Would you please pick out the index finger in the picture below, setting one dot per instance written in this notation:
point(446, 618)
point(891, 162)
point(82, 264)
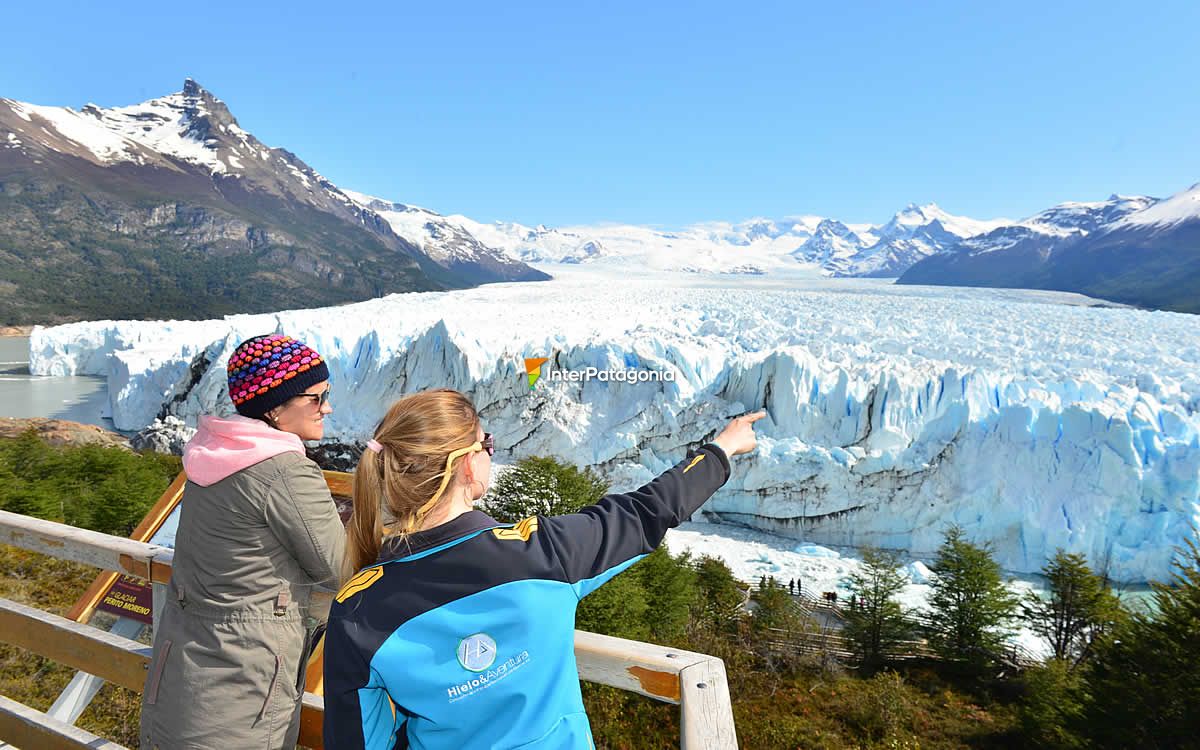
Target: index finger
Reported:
point(753, 417)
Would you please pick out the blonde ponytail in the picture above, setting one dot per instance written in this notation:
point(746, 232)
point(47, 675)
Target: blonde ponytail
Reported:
point(416, 437)
point(364, 531)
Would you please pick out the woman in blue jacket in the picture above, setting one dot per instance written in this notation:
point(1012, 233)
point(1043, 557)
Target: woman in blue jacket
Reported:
point(456, 631)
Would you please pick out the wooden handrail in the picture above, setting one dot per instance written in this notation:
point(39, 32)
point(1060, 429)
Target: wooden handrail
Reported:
point(695, 682)
point(148, 561)
point(29, 728)
point(118, 660)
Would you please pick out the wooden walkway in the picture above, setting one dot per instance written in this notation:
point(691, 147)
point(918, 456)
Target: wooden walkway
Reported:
point(829, 618)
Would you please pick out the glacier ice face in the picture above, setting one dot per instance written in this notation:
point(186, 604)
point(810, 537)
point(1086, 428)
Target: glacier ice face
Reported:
point(1032, 421)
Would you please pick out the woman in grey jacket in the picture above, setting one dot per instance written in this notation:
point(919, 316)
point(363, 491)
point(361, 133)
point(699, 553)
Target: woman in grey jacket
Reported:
point(257, 531)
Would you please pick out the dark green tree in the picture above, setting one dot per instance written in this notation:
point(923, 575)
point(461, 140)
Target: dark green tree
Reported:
point(876, 623)
point(1144, 677)
point(544, 486)
point(774, 611)
point(1077, 608)
point(971, 610)
point(107, 489)
point(670, 585)
point(618, 608)
point(718, 604)
point(776, 625)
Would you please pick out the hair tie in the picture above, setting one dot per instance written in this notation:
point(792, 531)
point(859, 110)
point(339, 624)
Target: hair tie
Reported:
point(374, 445)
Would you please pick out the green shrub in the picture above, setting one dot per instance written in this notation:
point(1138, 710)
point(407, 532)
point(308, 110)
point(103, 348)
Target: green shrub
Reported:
point(94, 487)
point(879, 708)
point(1052, 706)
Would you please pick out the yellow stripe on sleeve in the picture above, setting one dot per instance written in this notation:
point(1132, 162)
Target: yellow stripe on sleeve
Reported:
point(361, 582)
point(695, 461)
point(520, 532)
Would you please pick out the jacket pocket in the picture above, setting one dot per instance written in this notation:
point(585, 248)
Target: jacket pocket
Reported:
point(156, 675)
point(570, 732)
point(271, 688)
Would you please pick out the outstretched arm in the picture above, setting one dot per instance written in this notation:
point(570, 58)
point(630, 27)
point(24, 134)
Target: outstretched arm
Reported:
point(604, 539)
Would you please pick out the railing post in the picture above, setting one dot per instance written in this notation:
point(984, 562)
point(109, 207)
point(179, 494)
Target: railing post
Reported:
point(705, 711)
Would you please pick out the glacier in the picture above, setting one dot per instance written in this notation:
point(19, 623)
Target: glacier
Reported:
point(1035, 420)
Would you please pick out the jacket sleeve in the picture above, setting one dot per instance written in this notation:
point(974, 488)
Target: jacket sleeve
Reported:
point(301, 513)
point(604, 539)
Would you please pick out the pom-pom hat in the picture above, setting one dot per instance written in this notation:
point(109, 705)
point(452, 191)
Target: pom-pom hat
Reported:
point(266, 371)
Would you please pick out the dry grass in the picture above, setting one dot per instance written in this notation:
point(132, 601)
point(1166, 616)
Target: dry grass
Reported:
point(53, 586)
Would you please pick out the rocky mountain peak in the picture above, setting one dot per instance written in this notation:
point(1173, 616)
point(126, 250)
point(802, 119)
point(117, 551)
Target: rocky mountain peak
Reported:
point(204, 112)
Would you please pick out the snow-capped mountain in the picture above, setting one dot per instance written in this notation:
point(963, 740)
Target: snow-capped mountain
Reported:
point(751, 247)
point(1150, 257)
point(189, 132)
point(823, 246)
point(1181, 208)
point(1004, 255)
point(1131, 249)
point(834, 247)
point(169, 208)
point(447, 243)
point(913, 234)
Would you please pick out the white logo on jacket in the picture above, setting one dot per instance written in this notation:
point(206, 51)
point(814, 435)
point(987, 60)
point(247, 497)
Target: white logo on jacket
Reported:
point(477, 652)
point(485, 677)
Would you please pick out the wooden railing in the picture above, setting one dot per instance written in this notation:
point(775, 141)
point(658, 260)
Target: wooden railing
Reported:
point(695, 682)
point(802, 599)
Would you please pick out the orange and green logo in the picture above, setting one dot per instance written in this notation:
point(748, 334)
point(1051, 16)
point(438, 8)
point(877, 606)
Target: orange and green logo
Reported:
point(533, 369)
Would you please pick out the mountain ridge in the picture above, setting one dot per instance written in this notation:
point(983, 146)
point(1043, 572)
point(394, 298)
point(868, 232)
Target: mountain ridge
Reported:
point(168, 208)
point(1134, 250)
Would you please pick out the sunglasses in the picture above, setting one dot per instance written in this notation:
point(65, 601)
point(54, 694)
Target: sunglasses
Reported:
point(320, 399)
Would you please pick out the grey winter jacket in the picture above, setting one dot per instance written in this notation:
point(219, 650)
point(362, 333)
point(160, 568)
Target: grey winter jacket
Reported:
point(230, 649)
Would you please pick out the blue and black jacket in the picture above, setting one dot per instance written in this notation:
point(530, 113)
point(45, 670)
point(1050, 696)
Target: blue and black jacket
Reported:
point(462, 636)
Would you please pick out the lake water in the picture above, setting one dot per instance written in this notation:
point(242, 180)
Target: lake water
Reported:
point(79, 398)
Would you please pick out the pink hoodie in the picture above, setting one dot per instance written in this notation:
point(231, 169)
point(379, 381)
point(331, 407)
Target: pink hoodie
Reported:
point(225, 445)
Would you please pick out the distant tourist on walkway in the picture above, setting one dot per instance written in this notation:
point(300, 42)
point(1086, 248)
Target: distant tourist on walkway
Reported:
point(257, 531)
point(458, 631)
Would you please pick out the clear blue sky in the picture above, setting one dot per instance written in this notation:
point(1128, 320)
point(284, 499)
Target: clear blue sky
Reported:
point(664, 113)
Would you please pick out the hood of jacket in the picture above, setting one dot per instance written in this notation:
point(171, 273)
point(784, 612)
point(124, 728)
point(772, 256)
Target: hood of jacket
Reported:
point(223, 446)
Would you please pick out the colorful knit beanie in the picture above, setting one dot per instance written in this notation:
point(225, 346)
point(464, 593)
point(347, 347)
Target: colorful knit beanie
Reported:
point(266, 371)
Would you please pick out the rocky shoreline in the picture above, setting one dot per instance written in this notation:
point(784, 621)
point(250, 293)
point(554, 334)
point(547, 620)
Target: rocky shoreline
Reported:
point(13, 331)
point(164, 436)
point(59, 432)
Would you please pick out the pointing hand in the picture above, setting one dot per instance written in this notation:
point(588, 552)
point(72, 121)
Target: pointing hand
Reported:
point(738, 435)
